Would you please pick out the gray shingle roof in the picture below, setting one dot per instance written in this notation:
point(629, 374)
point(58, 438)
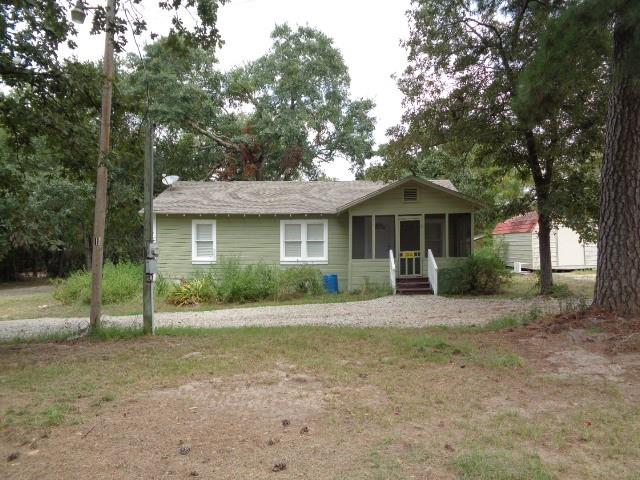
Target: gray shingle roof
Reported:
point(253, 198)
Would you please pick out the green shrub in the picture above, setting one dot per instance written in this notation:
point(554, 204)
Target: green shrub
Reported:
point(120, 283)
point(200, 289)
point(481, 273)
point(162, 286)
point(296, 281)
point(247, 284)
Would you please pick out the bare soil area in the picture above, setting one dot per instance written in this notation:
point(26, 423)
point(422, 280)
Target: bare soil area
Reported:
point(555, 399)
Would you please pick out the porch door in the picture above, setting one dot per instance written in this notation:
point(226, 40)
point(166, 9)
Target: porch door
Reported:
point(410, 253)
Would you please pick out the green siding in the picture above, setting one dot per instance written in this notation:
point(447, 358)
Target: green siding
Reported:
point(430, 200)
point(250, 239)
point(254, 239)
point(371, 271)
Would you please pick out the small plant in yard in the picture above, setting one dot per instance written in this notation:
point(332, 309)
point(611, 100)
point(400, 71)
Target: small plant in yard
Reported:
point(481, 273)
point(192, 292)
point(513, 320)
point(436, 349)
point(120, 282)
point(54, 415)
point(116, 332)
point(501, 465)
point(162, 286)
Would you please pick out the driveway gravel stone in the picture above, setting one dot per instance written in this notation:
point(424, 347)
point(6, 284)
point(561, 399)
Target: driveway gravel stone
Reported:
point(390, 311)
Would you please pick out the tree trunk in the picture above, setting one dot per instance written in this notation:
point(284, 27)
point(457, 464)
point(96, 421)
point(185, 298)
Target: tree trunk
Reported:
point(544, 244)
point(618, 278)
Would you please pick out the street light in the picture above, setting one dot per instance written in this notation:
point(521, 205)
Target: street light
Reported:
point(79, 12)
point(78, 15)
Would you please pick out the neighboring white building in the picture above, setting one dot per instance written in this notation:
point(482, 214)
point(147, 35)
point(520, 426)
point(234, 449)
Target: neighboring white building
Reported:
point(518, 238)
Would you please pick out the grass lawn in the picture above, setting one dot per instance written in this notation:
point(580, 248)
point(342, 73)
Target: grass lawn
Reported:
point(568, 284)
point(35, 300)
point(319, 402)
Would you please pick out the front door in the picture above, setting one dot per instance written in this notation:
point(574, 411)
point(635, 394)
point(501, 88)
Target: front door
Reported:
point(410, 257)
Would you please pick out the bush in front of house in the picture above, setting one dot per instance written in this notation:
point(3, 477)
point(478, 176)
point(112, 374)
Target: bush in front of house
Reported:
point(240, 284)
point(200, 289)
point(120, 283)
point(296, 281)
point(482, 273)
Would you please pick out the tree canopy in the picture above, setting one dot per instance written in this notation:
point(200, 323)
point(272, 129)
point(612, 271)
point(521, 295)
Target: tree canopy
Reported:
point(277, 117)
point(31, 33)
point(471, 88)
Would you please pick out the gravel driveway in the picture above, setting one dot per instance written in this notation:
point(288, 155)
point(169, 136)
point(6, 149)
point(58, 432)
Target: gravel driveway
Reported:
point(390, 311)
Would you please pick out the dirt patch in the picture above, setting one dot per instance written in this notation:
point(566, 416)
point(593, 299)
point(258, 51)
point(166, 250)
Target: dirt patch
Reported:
point(615, 334)
point(324, 405)
point(244, 426)
point(591, 345)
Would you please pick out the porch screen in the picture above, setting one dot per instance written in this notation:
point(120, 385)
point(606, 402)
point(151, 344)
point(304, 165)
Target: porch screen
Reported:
point(361, 237)
point(459, 234)
point(385, 235)
point(435, 227)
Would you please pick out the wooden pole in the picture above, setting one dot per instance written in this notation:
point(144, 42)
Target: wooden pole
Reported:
point(100, 212)
point(149, 244)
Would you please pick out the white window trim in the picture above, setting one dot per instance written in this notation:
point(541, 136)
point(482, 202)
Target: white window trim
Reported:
point(304, 260)
point(195, 260)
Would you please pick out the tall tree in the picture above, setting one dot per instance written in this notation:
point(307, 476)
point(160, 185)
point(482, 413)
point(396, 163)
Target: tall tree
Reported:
point(586, 35)
point(277, 117)
point(618, 283)
point(468, 83)
point(31, 33)
point(48, 153)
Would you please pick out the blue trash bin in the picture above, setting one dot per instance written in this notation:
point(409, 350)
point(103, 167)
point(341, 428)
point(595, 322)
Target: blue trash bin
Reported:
point(331, 283)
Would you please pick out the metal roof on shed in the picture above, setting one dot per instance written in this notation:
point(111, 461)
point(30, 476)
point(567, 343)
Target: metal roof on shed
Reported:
point(520, 224)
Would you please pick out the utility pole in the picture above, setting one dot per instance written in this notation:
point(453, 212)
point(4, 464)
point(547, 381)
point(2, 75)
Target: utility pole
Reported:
point(100, 213)
point(149, 241)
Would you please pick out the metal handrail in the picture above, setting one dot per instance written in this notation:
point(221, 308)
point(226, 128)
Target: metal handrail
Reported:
point(392, 271)
point(432, 270)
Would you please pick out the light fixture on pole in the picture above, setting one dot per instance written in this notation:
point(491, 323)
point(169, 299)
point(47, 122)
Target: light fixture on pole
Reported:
point(78, 15)
point(79, 12)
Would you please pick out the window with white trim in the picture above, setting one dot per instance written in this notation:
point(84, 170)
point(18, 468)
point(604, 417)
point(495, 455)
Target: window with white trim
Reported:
point(304, 241)
point(203, 241)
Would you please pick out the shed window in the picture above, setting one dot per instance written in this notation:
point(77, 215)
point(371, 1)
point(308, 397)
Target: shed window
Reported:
point(203, 241)
point(385, 235)
point(435, 233)
point(459, 234)
point(361, 237)
point(304, 241)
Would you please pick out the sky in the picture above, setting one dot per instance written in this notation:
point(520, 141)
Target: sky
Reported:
point(367, 32)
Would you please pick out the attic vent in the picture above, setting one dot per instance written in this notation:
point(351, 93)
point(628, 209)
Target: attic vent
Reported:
point(410, 194)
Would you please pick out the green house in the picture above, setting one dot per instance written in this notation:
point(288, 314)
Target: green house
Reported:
point(364, 232)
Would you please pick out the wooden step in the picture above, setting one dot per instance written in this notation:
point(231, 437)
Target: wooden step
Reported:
point(414, 291)
point(413, 286)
